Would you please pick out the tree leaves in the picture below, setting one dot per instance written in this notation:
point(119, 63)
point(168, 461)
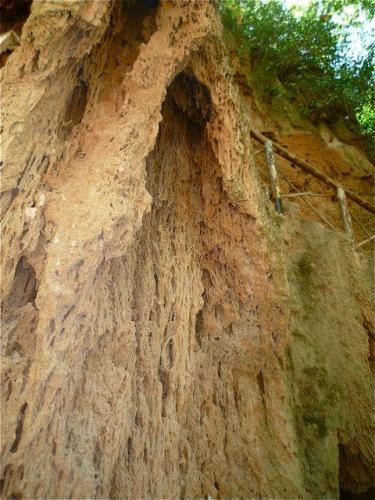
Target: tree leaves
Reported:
point(309, 54)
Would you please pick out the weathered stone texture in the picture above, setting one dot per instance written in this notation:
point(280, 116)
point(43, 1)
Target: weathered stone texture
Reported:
point(146, 305)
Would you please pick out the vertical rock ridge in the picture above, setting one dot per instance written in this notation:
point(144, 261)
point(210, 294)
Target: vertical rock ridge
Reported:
point(146, 302)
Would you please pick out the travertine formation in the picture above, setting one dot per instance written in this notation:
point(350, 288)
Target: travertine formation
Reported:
point(163, 337)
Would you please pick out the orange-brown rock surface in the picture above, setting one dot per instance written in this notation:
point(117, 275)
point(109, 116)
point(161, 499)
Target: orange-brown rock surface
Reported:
point(162, 337)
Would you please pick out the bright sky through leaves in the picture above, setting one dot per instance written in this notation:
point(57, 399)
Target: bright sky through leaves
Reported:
point(360, 37)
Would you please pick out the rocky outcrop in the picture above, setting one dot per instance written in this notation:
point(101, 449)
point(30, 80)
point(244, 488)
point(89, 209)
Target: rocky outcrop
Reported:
point(148, 347)
point(330, 384)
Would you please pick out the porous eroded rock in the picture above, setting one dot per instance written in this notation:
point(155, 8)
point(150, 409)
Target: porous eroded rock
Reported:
point(146, 304)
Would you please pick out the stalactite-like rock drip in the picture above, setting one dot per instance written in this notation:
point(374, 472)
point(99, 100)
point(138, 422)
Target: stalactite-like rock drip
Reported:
point(144, 294)
point(132, 322)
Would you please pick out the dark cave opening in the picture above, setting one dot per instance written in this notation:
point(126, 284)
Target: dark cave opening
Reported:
point(348, 495)
point(13, 14)
point(191, 97)
point(354, 476)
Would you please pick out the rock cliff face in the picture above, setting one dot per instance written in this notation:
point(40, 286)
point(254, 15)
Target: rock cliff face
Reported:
point(163, 337)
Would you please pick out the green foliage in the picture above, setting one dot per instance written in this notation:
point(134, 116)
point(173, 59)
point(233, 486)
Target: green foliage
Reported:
point(366, 117)
point(339, 5)
point(306, 56)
